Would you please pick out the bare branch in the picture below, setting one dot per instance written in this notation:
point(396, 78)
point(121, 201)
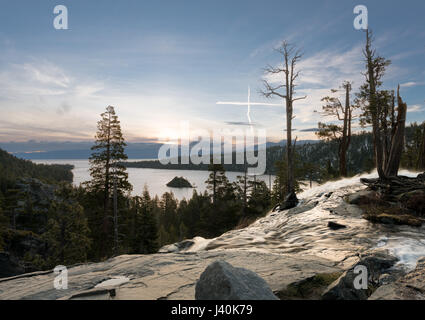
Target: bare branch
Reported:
point(300, 98)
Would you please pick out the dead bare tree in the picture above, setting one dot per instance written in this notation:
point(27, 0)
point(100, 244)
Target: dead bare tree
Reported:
point(285, 89)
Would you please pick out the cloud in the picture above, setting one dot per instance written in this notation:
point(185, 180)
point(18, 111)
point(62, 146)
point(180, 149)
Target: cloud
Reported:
point(46, 73)
point(309, 130)
point(411, 84)
point(239, 123)
point(415, 108)
point(64, 108)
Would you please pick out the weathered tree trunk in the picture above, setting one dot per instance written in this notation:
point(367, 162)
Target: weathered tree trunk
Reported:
point(375, 109)
point(397, 140)
point(289, 151)
point(345, 134)
point(290, 59)
point(421, 158)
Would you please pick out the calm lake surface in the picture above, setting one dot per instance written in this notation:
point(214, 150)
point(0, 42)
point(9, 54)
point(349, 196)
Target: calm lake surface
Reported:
point(155, 179)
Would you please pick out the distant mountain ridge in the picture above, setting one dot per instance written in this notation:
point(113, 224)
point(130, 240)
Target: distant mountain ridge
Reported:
point(36, 150)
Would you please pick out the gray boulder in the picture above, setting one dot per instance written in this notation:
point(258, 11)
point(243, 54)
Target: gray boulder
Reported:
point(222, 281)
point(408, 287)
point(364, 197)
point(376, 264)
point(290, 201)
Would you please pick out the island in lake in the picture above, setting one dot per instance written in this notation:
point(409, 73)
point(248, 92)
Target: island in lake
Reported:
point(179, 182)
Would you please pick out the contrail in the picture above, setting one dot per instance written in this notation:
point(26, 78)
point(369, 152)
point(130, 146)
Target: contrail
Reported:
point(249, 104)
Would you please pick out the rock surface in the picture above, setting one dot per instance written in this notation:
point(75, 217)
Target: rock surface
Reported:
point(289, 202)
point(335, 226)
point(161, 276)
point(344, 289)
point(221, 281)
point(408, 287)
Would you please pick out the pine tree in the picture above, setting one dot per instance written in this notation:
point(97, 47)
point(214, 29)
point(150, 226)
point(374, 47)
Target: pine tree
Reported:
point(106, 169)
point(340, 133)
point(241, 186)
point(3, 223)
point(259, 198)
point(217, 182)
point(146, 237)
point(67, 234)
point(163, 237)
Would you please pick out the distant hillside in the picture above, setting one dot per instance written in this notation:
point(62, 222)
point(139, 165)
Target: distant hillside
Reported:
point(12, 168)
point(324, 155)
point(36, 150)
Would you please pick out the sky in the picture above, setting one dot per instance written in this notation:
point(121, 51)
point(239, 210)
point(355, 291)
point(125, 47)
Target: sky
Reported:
point(163, 62)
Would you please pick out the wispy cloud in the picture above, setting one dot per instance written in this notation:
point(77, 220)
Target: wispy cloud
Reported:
point(415, 108)
point(411, 84)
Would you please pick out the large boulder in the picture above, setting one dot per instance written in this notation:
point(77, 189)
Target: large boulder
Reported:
point(343, 288)
point(409, 287)
point(289, 202)
point(415, 201)
point(364, 197)
point(222, 281)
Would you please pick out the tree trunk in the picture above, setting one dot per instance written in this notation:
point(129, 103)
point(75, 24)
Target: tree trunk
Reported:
point(290, 171)
point(345, 134)
point(393, 164)
point(421, 159)
point(375, 110)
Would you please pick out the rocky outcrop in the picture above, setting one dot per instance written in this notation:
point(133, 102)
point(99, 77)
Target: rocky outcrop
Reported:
point(393, 218)
point(408, 287)
point(335, 226)
point(344, 287)
point(24, 251)
point(388, 208)
point(161, 276)
point(289, 202)
point(221, 281)
point(364, 197)
point(407, 192)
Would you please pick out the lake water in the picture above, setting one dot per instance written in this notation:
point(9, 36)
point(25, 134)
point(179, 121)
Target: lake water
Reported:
point(155, 179)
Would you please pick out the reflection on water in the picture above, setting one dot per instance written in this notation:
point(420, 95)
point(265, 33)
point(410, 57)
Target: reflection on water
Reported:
point(155, 179)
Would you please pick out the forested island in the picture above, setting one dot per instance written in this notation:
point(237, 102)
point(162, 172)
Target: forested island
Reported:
point(179, 182)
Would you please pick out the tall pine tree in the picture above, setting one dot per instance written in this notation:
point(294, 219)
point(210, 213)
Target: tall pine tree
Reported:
point(106, 170)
